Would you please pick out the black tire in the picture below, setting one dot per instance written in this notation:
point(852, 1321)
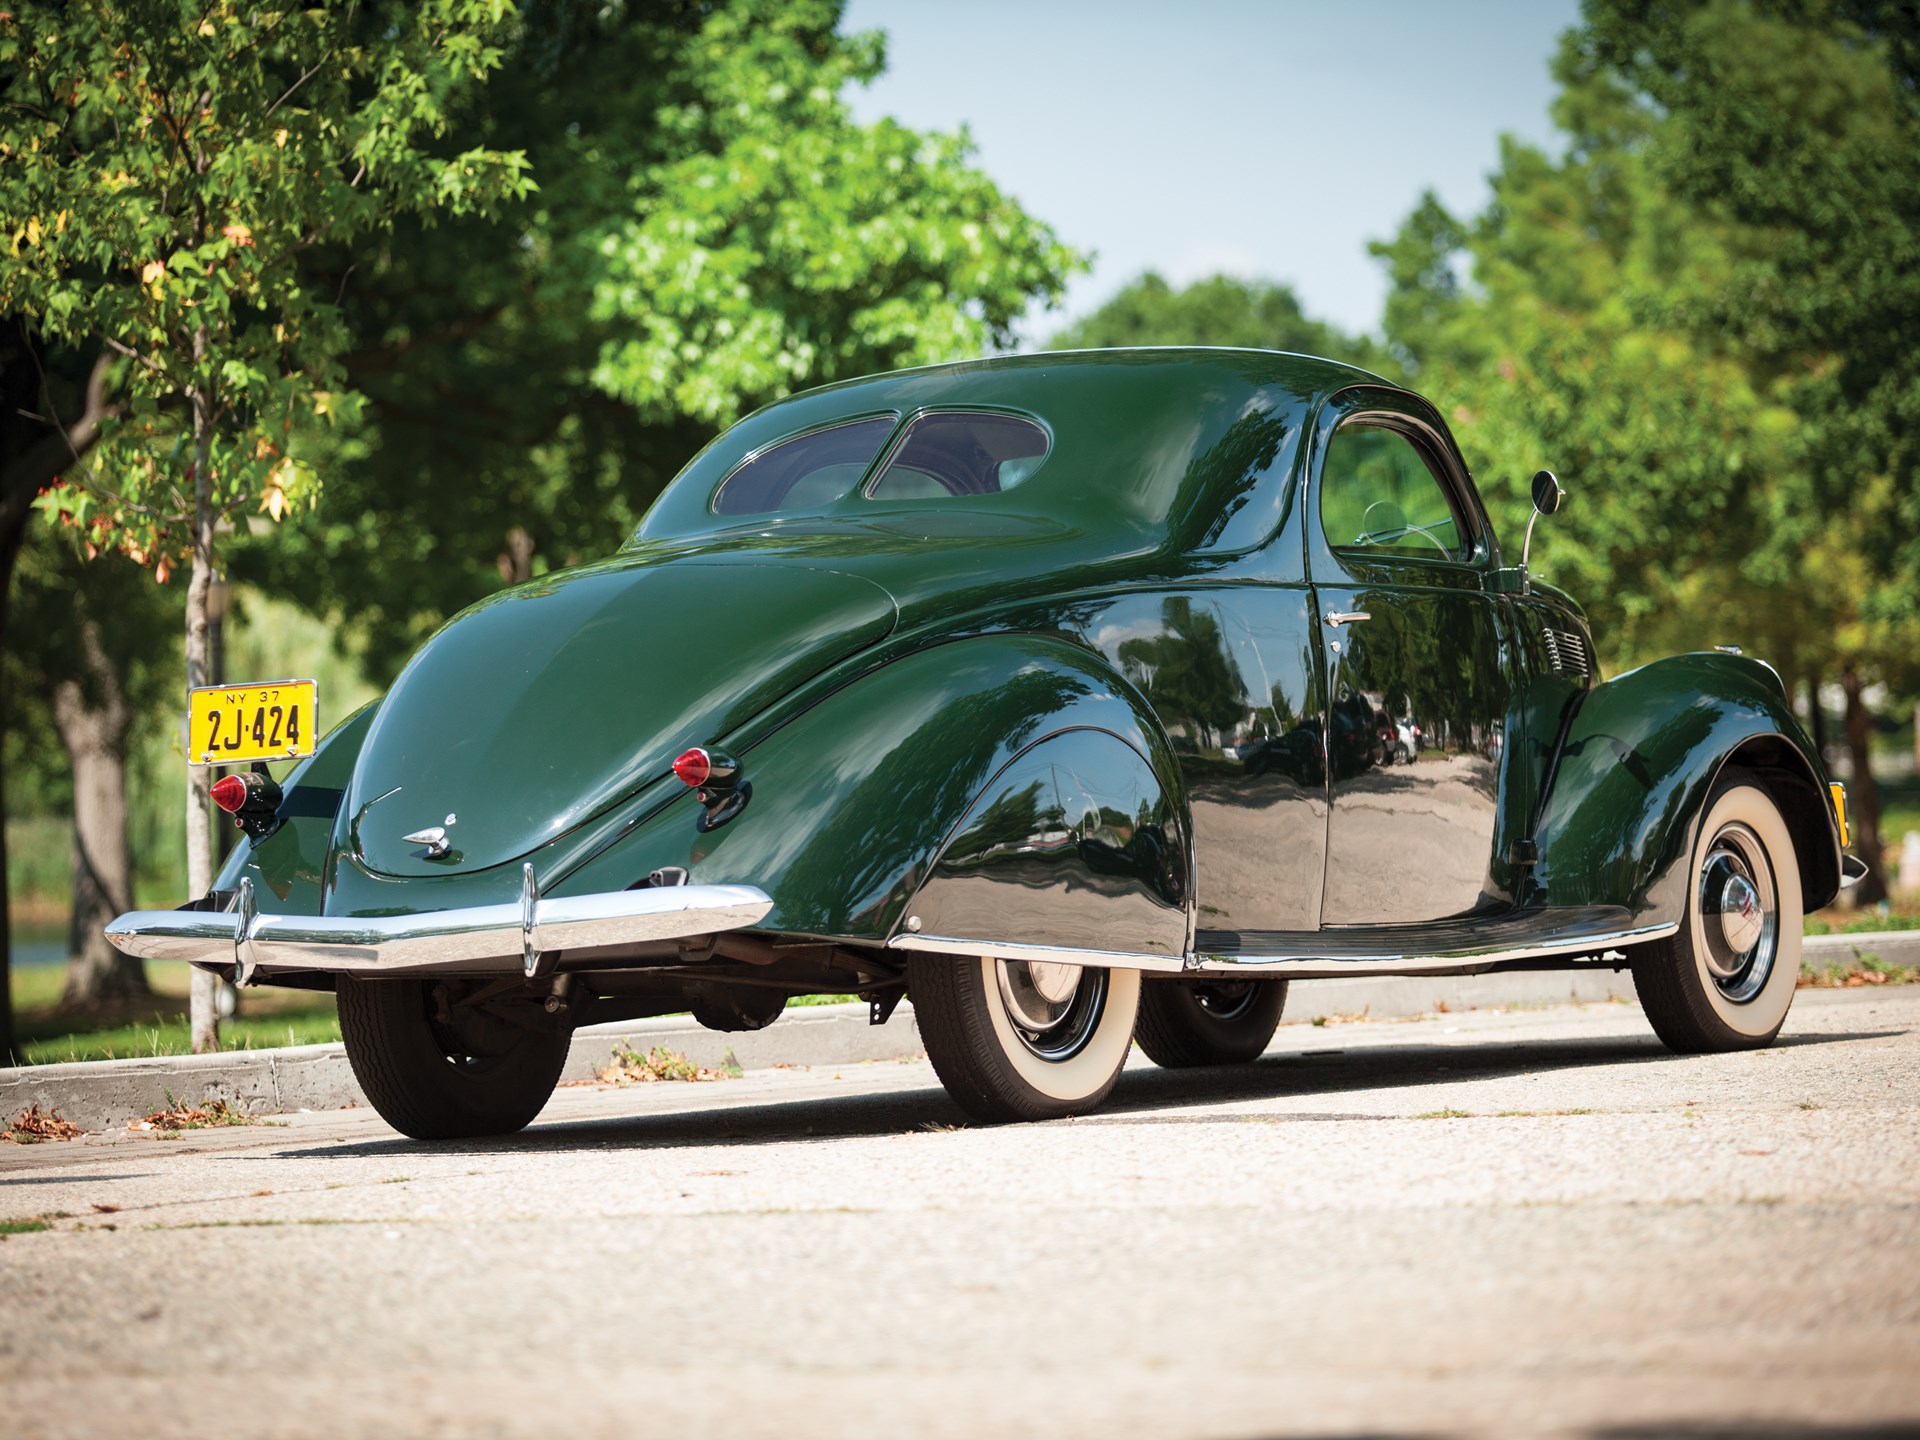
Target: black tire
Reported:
point(992, 1067)
point(1188, 1023)
point(1700, 993)
point(413, 1070)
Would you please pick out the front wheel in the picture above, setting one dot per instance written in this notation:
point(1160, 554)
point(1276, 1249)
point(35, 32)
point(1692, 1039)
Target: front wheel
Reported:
point(439, 1070)
point(1725, 979)
point(1023, 1040)
point(1184, 1023)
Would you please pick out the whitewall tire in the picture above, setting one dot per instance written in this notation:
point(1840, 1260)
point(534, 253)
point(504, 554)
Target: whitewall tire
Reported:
point(1726, 980)
point(1018, 1040)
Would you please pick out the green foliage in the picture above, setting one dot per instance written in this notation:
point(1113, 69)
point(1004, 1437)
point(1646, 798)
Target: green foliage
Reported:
point(712, 230)
point(163, 166)
point(1798, 121)
point(1219, 310)
point(1696, 315)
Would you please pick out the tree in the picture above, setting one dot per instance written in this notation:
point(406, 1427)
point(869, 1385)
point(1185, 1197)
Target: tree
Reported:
point(1219, 310)
point(1698, 313)
point(91, 652)
point(1800, 121)
point(52, 407)
point(166, 165)
point(712, 231)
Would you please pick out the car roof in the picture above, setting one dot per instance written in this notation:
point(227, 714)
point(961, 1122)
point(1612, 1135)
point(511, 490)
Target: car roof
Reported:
point(1151, 447)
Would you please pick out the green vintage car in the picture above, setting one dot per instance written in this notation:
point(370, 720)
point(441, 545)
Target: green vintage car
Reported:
point(1073, 695)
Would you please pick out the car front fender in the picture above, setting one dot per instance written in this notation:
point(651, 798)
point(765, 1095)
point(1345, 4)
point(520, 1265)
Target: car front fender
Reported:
point(855, 801)
point(1632, 776)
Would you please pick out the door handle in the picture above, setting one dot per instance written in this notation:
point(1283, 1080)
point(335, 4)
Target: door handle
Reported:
point(1346, 617)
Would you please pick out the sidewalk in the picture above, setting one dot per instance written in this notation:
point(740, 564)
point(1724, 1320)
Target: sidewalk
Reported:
point(105, 1094)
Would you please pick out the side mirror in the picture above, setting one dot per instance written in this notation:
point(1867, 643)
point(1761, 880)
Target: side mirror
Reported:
point(1547, 496)
point(1547, 493)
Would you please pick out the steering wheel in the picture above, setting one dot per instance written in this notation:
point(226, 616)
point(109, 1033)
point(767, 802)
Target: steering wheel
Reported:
point(1385, 522)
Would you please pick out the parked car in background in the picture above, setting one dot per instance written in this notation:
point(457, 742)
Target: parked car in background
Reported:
point(940, 683)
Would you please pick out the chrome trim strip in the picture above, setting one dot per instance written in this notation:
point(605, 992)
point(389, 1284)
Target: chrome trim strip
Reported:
point(1056, 954)
point(1852, 871)
point(1328, 966)
point(484, 939)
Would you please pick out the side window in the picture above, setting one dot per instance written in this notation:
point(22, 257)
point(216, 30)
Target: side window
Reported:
point(961, 454)
point(1377, 494)
point(805, 471)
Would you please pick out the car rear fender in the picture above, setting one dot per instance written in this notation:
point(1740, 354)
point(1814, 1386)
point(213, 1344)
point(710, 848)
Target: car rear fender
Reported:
point(291, 863)
point(859, 802)
point(1632, 776)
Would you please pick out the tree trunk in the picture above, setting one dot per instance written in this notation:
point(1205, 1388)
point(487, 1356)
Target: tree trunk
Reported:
point(12, 531)
point(92, 716)
point(203, 1005)
point(1863, 796)
point(1816, 717)
point(32, 455)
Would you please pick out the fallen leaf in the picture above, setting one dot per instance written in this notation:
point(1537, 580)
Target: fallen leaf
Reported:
point(33, 1125)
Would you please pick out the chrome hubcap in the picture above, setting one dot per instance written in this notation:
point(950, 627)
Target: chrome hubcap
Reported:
point(1225, 1002)
point(1738, 912)
point(1054, 1008)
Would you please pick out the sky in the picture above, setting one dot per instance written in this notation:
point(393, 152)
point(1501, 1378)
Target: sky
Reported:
point(1263, 138)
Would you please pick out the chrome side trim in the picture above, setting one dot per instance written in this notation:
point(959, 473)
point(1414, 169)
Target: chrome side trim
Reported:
point(1327, 966)
point(479, 939)
point(1054, 954)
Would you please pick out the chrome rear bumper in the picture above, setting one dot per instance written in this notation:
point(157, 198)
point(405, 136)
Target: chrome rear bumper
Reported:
point(481, 939)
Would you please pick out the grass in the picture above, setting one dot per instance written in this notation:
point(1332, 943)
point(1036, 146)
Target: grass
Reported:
point(1855, 972)
point(628, 1066)
point(268, 1018)
point(1447, 1114)
point(31, 1224)
point(157, 1024)
point(1833, 921)
point(214, 1114)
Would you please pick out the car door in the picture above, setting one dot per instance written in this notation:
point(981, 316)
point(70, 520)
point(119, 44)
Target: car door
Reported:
point(1414, 645)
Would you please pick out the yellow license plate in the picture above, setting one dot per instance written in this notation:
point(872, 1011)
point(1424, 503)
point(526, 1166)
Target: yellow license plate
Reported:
point(233, 724)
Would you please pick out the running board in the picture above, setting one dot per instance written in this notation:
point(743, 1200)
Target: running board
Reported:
point(1457, 947)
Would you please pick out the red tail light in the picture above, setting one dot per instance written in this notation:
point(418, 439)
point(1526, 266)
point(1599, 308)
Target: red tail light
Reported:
point(693, 768)
point(230, 793)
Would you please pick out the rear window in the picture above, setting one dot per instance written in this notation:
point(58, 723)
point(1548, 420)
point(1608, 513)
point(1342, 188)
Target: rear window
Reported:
point(961, 454)
point(804, 472)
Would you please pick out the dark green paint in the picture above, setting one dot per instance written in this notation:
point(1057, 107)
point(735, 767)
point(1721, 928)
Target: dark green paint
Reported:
point(1074, 844)
point(1640, 758)
point(855, 798)
point(291, 864)
point(1155, 588)
point(542, 706)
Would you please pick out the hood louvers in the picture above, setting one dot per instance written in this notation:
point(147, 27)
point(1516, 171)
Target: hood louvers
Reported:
point(1567, 651)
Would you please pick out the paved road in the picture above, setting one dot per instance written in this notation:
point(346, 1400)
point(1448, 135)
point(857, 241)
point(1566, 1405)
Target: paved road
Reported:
point(1650, 1245)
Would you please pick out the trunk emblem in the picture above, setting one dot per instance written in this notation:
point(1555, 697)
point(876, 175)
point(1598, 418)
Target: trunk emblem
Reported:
point(434, 837)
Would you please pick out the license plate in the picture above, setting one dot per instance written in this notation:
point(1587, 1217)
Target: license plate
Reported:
point(233, 724)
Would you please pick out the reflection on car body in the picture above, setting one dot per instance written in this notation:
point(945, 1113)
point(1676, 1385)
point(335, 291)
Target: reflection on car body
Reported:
point(1079, 695)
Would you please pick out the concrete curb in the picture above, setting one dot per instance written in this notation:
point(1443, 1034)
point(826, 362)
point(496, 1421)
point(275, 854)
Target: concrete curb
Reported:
point(105, 1094)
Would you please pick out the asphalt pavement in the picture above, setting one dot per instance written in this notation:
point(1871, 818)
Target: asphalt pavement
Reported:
point(1526, 1223)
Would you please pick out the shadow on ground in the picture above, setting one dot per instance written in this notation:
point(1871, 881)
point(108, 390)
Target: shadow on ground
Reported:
point(1143, 1096)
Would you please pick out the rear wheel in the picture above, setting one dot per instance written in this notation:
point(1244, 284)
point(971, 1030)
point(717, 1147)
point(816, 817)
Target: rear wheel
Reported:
point(1724, 981)
point(436, 1070)
point(1184, 1023)
point(1023, 1040)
